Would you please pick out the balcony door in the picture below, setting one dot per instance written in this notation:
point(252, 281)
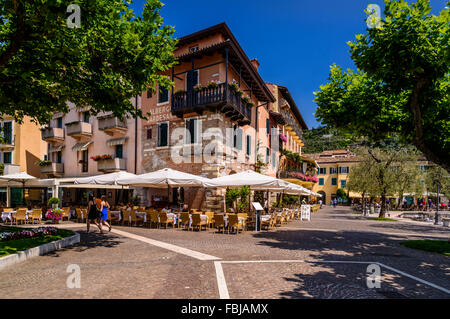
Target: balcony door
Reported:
point(191, 81)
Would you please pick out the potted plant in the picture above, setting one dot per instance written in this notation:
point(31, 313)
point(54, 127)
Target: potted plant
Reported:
point(199, 88)
point(246, 99)
point(54, 201)
point(43, 163)
point(55, 215)
point(212, 85)
point(103, 157)
point(234, 87)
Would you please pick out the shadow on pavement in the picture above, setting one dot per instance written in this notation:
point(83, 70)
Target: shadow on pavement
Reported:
point(337, 280)
point(91, 240)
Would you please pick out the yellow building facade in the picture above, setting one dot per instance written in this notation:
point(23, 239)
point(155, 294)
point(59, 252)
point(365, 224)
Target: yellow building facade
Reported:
point(21, 146)
point(334, 167)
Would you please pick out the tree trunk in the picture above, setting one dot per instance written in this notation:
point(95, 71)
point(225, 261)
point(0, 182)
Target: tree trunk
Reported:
point(363, 204)
point(400, 203)
point(383, 206)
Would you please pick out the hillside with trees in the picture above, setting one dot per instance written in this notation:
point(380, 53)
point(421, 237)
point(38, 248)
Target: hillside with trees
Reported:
point(325, 138)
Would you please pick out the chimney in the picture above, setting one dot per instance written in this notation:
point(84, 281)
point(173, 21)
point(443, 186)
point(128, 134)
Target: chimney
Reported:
point(255, 63)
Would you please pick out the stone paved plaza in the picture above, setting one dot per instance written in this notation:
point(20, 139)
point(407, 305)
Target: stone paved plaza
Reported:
point(324, 258)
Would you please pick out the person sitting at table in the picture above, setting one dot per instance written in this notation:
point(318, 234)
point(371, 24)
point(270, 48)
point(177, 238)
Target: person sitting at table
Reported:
point(165, 209)
point(185, 208)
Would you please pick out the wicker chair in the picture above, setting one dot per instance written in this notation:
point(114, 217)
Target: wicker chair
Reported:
point(210, 218)
point(219, 222)
point(164, 220)
point(20, 215)
point(154, 218)
point(198, 222)
point(66, 212)
point(244, 220)
point(126, 217)
point(80, 217)
point(136, 219)
point(233, 223)
point(184, 221)
point(36, 215)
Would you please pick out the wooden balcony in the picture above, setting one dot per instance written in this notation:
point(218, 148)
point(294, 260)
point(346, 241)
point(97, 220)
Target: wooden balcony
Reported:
point(110, 125)
point(220, 98)
point(112, 165)
point(53, 135)
point(79, 129)
point(53, 170)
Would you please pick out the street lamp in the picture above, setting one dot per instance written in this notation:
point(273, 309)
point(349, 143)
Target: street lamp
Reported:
point(437, 218)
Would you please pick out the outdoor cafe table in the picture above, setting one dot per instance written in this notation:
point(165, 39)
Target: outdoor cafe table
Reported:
point(7, 215)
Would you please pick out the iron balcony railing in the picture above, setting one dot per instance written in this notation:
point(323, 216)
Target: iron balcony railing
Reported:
point(222, 94)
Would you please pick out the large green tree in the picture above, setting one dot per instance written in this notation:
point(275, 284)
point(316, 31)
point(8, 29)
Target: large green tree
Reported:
point(402, 82)
point(111, 57)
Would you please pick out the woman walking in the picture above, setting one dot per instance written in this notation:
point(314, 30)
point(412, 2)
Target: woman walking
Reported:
point(104, 212)
point(92, 214)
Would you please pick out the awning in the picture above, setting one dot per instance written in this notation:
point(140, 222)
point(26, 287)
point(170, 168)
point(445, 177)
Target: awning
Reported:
point(81, 146)
point(56, 148)
point(116, 141)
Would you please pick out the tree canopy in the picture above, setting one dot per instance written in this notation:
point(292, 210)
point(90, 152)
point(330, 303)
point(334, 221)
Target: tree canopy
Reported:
point(402, 82)
point(110, 58)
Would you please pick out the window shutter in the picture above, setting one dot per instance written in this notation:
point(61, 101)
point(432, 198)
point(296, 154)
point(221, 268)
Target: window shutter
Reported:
point(239, 139)
point(249, 141)
point(162, 134)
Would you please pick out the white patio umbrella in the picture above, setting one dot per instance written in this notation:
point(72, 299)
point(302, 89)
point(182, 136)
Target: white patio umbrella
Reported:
point(21, 177)
point(294, 189)
point(248, 178)
point(105, 179)
point(163, 178)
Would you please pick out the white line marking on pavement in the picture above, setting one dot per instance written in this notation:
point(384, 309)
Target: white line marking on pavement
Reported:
point(221, 283)
point(415, 278)
point(223, 289)
point(174, 248)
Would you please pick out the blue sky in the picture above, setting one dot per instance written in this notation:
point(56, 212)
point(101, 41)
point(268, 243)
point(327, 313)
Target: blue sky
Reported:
point(295, 41)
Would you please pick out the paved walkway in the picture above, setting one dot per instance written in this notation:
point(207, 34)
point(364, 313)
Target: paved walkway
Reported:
point(324, 258)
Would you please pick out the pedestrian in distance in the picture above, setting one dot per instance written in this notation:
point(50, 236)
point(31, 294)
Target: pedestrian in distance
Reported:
point(92, 214)
point(104, 206)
